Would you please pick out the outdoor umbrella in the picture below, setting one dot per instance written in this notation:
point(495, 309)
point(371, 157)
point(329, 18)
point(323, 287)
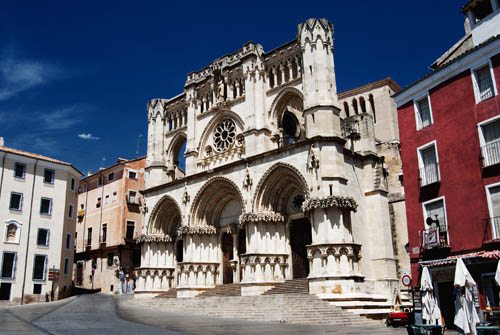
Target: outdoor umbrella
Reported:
point(466, 316)
point(430, 308)
point(497, 274)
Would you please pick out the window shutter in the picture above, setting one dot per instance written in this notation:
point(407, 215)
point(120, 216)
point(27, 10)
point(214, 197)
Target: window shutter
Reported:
point(48, 237)
point(45, 267)
point(21, 202)
point(14, 266)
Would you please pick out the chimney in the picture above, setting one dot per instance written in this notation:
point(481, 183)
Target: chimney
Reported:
point(89, 173)
point(1, 142)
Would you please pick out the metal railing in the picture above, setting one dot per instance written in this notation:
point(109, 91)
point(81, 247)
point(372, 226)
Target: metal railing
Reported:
point(491, 153)
point(434, 238)
point(429, 174)
point(491, 229)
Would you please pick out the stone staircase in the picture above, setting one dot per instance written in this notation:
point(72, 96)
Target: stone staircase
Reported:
point(293, 286)
point(290, 308)
point(226, 290)
point(372, 306)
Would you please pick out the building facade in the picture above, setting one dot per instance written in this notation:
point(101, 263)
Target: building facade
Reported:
point(38, 214)
point(109, 218)
point(279, 181)
point(450, 126)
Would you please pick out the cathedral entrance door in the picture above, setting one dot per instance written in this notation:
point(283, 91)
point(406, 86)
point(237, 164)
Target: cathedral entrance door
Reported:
point(300, 237)
point(227, 256)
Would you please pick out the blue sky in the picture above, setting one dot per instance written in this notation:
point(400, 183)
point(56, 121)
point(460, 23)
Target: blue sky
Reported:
point(75, 76)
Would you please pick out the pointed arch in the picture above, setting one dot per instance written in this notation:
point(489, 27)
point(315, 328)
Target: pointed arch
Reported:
point(212, 198)
point(174, 148)
point(166, 217)
point(285, 96)
point(276, 186)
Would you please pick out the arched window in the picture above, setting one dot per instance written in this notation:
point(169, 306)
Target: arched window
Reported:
point(362, 104)
point(291, 128)
point(372, 105)
point(12, 231)
point(355, 106)
point(346, 108)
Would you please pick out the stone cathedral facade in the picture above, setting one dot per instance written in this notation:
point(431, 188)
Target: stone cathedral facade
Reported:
point(279, 182)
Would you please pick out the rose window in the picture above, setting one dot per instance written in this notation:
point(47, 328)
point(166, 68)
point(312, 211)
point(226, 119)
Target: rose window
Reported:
point(224, 135)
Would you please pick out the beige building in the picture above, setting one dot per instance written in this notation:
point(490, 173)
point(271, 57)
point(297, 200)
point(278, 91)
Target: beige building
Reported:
point(38, 215)
point(109, 218)
point(280, 183)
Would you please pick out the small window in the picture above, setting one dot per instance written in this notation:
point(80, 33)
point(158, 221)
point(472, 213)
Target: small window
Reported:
point(428, 165)
point(85, 187)
point(99, 181)
point(9, 264)
point(39, 267)
point(481, 10)
point(75, 243)
point(46, 206)
point(43, 237)
point(73, 184)
point(115, 196)
point(111, 255)
point(66, 266)
point(130, 230)
point(37, 288)
point(111, 176)
point(132, 175)
point(70, 211)
point(98, 203)
point(16, 201)
point(106, 199)
point(68, 241)
point(423, 113)
point(89, 236)
point(132, 197)
point(104, 233)
point(484, 84)
point(19, 170)
point(48, 176)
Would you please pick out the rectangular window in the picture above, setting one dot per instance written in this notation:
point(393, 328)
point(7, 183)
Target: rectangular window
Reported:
point(89, 236)
point(484, 83)
point(46, 206)
point(104, 233)
point(76, 240)
point(489, 137)
point(16, 201)
point(493, 195)
point(73, 184)
point(132, 174)
point(9, 264)
point(428, 165)
point(99, 181)
point(130, 230)
point(106, 199)
point(132, 197)
point(111, 255)
point(68, 241)
point(43, 237)
point(115, 196)
point(98, 203)
point(66, 266)
point(424, 115)
point(39, 267)
point(37, 288)
point(111, 176)
point(435, 223)
point(48, 176)
point(70, 211)
point(19, 170)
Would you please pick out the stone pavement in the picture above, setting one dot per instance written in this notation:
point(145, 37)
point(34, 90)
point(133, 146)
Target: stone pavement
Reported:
point(96, 314)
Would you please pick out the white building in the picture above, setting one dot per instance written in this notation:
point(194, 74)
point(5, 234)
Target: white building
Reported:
point(38, 197)
point(279, 182)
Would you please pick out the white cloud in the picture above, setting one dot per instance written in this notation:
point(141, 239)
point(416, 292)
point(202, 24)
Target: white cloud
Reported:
point(88, 136)
point(18, 75)
point(62, 118)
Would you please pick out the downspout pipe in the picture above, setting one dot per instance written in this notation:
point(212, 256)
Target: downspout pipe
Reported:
point(29, 232)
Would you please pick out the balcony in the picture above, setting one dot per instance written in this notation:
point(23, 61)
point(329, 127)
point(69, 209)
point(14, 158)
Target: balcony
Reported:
point(434, 238)
point(490, 153)
point(491, 230)
point(132, 200)
point(429, 174)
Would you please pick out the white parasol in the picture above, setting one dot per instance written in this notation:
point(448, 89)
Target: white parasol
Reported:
point(466, 316)
point(497, 274)
point(430, 308)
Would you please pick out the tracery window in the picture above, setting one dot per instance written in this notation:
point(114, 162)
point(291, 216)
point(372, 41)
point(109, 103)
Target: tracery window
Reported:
point(224, 135)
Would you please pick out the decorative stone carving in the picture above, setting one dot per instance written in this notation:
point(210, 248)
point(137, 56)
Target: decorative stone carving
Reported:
point(261, 217)
point(224, 135)
point(330, 201)
point(247, 182)
point(185, 196)
point(153, 238)
point(313, 158)
point(11, 233)
point(200, 230)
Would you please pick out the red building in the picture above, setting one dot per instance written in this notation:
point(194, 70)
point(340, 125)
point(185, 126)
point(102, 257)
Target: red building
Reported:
point(449, 125)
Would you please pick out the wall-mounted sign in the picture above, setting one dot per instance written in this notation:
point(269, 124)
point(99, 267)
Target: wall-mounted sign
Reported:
point(406, 280)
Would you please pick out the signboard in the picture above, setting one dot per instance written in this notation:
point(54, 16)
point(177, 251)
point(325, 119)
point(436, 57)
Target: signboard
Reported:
point(53, 274)
point(417, 300)
point(431, 238)
point(406, 280)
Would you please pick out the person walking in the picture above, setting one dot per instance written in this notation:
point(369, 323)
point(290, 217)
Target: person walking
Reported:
point(122, 281)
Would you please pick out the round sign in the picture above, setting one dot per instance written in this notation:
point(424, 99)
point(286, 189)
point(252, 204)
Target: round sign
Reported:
point(406, 280)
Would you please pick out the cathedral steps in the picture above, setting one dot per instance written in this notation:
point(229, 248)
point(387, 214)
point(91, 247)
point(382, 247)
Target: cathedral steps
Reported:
point(371, 306)
point(222, 290)
point(289, 308)
point(293, 286)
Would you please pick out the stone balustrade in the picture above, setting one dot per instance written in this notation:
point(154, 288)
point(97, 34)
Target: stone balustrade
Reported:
point(154, 279)
point(197, 275)
point(334, 260)
point(263, 268)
